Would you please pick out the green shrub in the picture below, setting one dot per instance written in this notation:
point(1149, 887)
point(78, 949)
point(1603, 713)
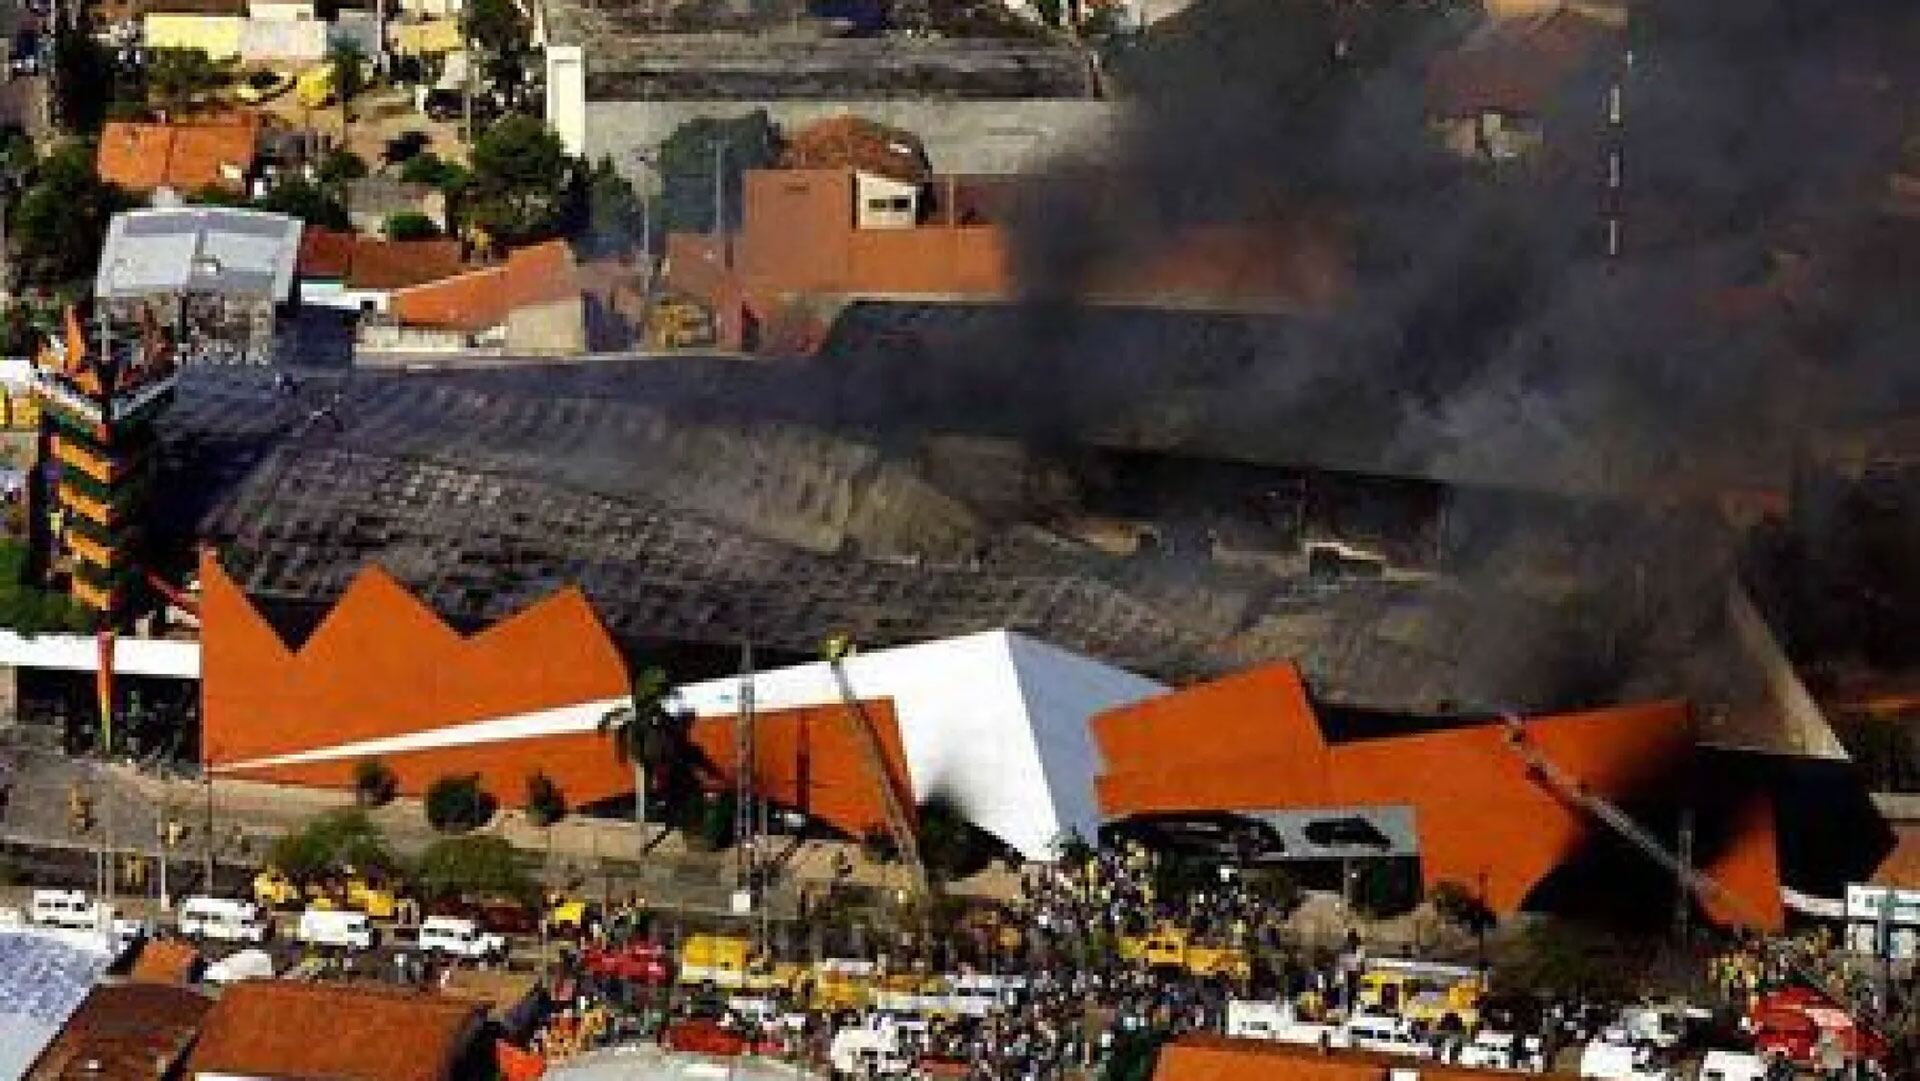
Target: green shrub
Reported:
point(374, 783)
point(458, 804)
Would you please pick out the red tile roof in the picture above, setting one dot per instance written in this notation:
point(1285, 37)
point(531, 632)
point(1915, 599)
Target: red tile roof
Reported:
point(481, 299)
point(188, 157)
point(853, 142)
point(365, 262)
point(1217, 1058)
point(130, 1030)
point(276, 1028)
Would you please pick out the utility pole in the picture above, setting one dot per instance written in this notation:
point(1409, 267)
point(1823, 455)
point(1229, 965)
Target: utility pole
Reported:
point(1683, 900)
point(720, 198)
point(206, 787)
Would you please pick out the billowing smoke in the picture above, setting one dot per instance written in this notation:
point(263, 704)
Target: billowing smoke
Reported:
point(1753, 305)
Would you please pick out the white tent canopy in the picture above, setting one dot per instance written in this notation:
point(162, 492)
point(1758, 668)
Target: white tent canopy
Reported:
point(996, 720)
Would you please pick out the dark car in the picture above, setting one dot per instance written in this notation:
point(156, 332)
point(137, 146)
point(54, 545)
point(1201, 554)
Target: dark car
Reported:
point(499, 917)
point(447, 105)
point(24, 56)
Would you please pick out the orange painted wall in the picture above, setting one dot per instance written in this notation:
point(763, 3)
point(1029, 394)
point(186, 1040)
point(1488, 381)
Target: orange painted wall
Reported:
point(1476, 808)
point(382, 664)
point(1216, 1058)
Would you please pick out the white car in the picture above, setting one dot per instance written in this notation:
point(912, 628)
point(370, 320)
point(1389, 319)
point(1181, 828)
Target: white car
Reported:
point(72, 910)
point(332, 927)
point(1490, 1050)
point(1614, 1060)
point(222, 918)
point(1385, 1034)
point(460, 938)
point(1732, 1066)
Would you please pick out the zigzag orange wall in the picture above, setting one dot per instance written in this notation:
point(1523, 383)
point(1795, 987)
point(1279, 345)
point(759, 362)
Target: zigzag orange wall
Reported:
point(382, 664)
point(1477, 810)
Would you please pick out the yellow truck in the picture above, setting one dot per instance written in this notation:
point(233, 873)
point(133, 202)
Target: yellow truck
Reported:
point(273, 889)
point(1423, 992)
point(1173, 947)
point(566, 915)
point(721, 960)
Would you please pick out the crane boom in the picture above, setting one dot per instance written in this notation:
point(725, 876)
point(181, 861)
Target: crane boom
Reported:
point(1575, 790)
point(1698, 885)
point(893, 807)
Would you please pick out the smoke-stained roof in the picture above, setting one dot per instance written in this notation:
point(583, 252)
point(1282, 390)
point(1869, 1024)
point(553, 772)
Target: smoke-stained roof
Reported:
point(43, 980)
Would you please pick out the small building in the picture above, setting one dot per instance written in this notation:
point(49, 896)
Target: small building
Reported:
point(532, 303)
point(215, 27)
point(355, 273)
point(185, 157)
point(215, 274)
point(371, 200)
point(125, 1030)
point(276, 1030)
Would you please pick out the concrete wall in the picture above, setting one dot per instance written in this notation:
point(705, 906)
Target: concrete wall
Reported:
point(558, 327)
point(967, 137)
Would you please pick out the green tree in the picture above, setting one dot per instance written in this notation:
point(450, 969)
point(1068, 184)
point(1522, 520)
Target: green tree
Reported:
point(615, 222)
point(1051, 12)
point(458, 804)
point(687, 162)
point(480, 866)
point(348, 67)
point(374, 783)
point(339, 166)
point(179, 79)
point(309, 202)
point(520, 178)
point(429, 168)
point(546, 804)
point(330, 844)
point(1555, 958)
point(1133, 1057)
point(503, 38)
point(409, 225)
point(717, 818)
point(62, 218)
point(651, 737)
point(84, 77)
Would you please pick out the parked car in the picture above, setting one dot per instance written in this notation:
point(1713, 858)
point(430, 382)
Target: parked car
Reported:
point(641, 962)
point(1491, 1050)
point(70, 909)
point(222, 918)
point(499, 917)
point(263, 86)
point(460, 938)
point(447, 105)
point(331, 927)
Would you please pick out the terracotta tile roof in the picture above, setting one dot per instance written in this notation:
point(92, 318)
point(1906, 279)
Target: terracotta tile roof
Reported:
point(130, 1030)
point(268, 1028)
point(853, 142)
point(481, 299)
point(1218, 1058)
point(1901, 867)
point(164, 961)
point(398, 264)
point(325, 253)
point(365, 262)
point(188, 157)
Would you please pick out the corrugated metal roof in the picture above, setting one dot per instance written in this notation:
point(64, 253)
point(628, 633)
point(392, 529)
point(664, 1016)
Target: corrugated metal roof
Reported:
point(42, 982)
point(199, 249)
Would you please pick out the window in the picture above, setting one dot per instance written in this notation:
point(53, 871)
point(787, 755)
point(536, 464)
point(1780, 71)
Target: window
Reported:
point(878, 206)
point(902, 202)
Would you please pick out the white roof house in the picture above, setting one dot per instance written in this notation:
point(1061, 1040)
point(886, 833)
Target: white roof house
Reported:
point(199, 250)
point(996, 720)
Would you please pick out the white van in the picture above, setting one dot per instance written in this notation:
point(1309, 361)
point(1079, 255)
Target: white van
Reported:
point(332, 927)
point(1385, 1034)
point(978, 994)
point(459, 937)
point(222, 918)
point(1278, 1021)
point(70, 909)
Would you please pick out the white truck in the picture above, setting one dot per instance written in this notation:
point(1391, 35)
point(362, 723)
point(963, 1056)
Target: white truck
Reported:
point(1732, 1066)
point(459, 937)
point(223, 919)
point(333, 927)
point(70, 910)
point(861, 1051)
point(1278, 1021)
point(1611, 1058)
